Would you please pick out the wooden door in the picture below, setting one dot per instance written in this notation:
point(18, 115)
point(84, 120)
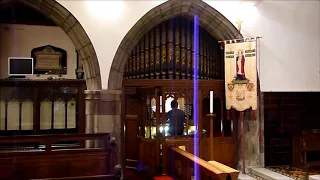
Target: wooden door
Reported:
point(131, 128)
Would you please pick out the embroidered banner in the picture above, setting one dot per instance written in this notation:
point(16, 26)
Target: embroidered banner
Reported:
point(241, 76)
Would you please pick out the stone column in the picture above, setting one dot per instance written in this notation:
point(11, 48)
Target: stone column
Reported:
point(261, 116)
point(103, 115)
point(253, 148)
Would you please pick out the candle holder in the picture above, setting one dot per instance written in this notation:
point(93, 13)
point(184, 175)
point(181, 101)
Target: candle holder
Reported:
point(211, 118)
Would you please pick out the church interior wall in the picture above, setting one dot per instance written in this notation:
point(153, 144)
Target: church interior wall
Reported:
point(18, 40)
point(288, 35)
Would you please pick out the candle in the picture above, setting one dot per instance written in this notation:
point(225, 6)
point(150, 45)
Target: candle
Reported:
point(160, 100)
point(211, 102)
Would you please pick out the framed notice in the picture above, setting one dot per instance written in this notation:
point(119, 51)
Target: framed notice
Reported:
point(49, 60)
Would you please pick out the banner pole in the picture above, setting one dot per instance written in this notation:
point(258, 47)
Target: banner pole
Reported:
point(238, 39)
point(242, 144)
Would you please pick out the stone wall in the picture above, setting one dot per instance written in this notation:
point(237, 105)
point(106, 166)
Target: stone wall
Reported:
point(72, 27)
point(103, 115)
point(253, 138)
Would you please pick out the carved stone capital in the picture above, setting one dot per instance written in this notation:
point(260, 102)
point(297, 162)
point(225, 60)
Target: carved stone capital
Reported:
point(103, 95)
point(103, 102)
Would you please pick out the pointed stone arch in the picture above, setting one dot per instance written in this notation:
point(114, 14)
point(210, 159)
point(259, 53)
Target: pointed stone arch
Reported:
point(71, 26)
point(209, 18)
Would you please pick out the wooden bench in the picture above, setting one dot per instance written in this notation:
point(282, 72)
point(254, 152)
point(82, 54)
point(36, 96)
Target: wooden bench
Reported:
point(310, 143)
point(213, 170)
point(97, 177)
point(55, 162)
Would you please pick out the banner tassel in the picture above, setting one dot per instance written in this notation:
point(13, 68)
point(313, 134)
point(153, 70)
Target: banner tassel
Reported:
point(254, 117)
point(260, 137)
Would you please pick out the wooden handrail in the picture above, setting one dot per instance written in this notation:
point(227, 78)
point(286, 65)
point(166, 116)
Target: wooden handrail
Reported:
point(204, 166)
point(52, 138)
point(233, 173)
point(100, 177)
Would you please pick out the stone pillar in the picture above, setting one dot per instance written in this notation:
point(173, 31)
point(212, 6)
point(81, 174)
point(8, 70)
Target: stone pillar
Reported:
point(103, 115)
point(254, 154)
point(261, 116)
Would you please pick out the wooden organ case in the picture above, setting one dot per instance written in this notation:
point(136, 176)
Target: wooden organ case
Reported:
point(161, 69)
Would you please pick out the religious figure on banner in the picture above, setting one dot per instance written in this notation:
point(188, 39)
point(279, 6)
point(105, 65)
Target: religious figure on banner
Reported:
point(240, 63)
point(241, 76)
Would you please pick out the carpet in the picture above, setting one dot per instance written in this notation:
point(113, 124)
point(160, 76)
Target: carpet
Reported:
point(292, 172)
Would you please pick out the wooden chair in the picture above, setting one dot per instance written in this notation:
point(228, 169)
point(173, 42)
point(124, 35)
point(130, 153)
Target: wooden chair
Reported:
point(309, 143)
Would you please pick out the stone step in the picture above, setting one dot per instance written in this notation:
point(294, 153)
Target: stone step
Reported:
point(245, 177)
point(267, 174)
point(314, 177)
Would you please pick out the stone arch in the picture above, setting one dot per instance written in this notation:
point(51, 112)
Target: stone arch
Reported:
point(71, 26)
point(209, 18)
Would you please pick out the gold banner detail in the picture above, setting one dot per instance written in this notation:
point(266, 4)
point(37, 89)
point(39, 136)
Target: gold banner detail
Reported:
point(241, 76)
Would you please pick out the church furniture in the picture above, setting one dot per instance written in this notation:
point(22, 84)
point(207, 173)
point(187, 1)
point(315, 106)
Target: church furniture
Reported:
point(152, 149)
point(232, 172)
point(50, 161)
point(34, 106)
point(96, 177)
point(166, 66)
point(310, 148)
point(286, 114)
point(205, 170)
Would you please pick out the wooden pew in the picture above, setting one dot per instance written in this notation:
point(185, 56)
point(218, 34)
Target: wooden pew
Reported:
point(187, 161)
point(57, 162)
point(310, 143)
point(98, 177)
point(232, 172)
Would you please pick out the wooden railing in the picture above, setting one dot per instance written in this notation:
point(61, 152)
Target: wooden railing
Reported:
point(51, 139)
point(183, 164)
point(54, 162)
point(100, 177)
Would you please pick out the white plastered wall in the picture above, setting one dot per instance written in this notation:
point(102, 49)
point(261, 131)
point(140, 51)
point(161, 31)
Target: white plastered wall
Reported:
point(289, 49)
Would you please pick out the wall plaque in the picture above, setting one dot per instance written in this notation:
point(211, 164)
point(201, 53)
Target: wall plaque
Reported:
point(49, 60)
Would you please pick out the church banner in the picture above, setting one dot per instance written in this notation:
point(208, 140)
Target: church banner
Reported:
point(241, 76)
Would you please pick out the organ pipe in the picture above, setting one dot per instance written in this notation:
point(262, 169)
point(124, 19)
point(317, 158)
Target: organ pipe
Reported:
point(167, 52)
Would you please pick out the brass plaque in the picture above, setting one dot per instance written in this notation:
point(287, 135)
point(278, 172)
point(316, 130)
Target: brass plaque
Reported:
point(48, 59)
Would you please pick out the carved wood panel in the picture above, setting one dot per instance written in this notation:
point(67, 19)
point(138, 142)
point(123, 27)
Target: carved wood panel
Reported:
point(41, 106)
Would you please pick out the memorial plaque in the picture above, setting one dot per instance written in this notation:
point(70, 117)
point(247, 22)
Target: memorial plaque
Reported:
point(49, 60)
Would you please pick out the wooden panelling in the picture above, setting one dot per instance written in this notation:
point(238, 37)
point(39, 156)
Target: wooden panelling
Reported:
point(131, 138)
point(53, 162)
point(42, 106)
point(142, 110)
point(224, 150)
point(149, 155)
point(286, 114)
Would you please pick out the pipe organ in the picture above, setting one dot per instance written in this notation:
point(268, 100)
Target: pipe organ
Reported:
point(167, 52)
